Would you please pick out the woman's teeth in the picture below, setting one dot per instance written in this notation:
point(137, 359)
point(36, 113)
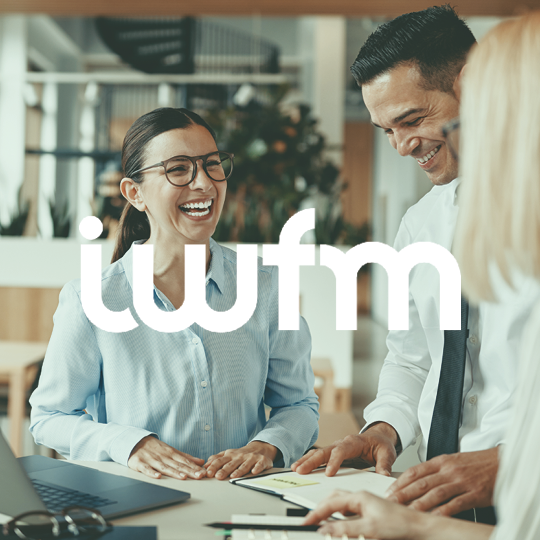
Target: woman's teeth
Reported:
point(427, 157)
point(197, 209)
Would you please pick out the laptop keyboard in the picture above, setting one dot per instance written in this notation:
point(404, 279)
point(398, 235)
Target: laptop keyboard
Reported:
point(56, 499)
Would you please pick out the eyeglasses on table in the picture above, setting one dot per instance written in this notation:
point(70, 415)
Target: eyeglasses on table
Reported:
point(72, 521)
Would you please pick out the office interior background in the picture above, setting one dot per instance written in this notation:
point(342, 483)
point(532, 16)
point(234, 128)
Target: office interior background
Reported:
point(273, 80)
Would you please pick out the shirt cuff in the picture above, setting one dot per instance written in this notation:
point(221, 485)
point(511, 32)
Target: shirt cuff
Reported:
point(405, 430)
point(125, 442)
point(274, 441)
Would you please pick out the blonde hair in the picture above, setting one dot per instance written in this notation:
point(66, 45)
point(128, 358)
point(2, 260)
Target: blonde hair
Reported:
point(499, 219)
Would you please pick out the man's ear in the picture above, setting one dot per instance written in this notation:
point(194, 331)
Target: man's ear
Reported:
point(459, 82)
point(132, 192)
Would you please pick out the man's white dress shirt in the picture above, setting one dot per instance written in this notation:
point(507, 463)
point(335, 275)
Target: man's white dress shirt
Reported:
point(410, 375)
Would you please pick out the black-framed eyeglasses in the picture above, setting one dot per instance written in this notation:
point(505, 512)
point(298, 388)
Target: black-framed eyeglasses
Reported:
point(73, 521)
point(181, 170)
point(450, 132)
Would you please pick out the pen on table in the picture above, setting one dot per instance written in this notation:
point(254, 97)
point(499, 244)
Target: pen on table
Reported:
point(263, 527)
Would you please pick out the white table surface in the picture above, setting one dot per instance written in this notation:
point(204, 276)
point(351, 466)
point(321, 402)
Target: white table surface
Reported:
point(211, 500)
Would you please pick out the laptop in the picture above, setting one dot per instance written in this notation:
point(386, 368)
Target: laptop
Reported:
point(41, 483)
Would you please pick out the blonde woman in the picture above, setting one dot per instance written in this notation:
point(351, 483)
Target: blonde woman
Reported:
point(498, 235)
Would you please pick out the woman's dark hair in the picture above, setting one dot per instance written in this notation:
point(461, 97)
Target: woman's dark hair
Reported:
point(436, 40)
point(134, 225)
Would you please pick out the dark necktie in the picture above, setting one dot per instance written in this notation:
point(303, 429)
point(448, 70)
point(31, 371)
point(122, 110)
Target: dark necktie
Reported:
point(443, 434)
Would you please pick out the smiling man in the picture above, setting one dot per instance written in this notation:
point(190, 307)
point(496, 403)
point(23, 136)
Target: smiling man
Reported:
point(454, 389)
point(412, 117)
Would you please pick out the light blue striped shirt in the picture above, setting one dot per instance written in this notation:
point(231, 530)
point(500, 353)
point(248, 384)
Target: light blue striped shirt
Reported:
point(201, 392)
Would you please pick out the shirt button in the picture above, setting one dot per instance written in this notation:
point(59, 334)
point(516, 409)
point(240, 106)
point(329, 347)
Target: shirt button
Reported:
point(207, 428)
point(204, 384)
point(195, 341)
point(473, 340)
point(472, 400)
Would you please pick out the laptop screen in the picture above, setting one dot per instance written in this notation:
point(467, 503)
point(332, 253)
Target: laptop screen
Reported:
point(17, 494)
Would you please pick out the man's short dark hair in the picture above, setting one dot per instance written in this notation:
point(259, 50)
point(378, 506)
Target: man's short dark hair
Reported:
point(436, 40)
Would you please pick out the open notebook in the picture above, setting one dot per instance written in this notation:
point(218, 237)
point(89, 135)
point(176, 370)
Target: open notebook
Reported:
point(309, 490)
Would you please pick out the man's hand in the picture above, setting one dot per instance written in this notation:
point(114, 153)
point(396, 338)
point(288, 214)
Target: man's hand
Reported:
point(376, 446)
point(255, 457)
point(449, 483)
point(154, 458)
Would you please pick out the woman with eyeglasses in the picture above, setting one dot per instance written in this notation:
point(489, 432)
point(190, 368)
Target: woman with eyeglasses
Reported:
point(189, 403)
point(497, 240)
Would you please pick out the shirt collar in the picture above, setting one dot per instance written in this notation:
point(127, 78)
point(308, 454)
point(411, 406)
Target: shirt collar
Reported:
point(456, 183)
point(216, 272)
point(127, 262)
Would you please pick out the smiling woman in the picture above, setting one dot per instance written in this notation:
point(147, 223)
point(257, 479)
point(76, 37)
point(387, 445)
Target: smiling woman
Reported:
point(188, 403)
point(172, 190)
point(155, 149)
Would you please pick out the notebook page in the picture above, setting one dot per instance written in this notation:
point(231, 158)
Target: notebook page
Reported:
point(309, 490)
point(246, 534)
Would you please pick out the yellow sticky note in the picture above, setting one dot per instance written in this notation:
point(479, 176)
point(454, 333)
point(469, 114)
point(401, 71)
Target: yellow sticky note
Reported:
point(285, 482)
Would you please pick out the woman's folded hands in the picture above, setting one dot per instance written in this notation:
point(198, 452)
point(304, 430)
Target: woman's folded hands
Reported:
point(155, 458)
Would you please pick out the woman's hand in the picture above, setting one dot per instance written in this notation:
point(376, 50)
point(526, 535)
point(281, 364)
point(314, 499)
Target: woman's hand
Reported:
point(255, 457)
point(378, 518)
point(154, 458)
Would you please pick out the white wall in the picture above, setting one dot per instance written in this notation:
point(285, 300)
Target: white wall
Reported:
point(318, 307)
point(481, 25)
point(323, 53)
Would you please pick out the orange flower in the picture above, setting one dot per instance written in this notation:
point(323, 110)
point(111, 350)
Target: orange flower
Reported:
point(279, 147)
point(291, 132)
